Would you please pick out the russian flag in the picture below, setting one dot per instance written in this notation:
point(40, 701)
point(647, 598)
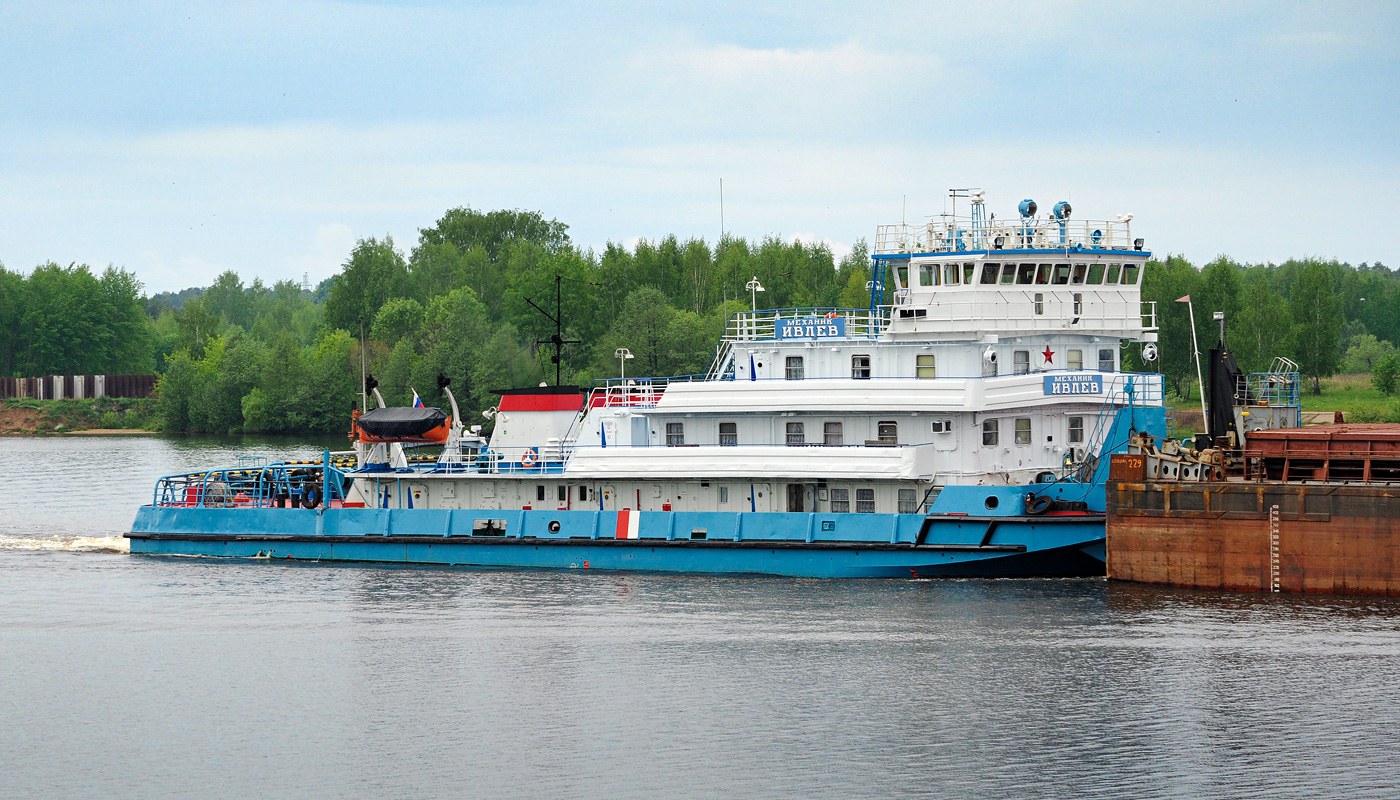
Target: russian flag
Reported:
point(417, 401)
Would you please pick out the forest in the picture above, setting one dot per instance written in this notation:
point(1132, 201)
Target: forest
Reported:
point(473, 298)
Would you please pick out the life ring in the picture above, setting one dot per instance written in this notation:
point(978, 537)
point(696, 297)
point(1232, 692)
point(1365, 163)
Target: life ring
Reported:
point(529, 458)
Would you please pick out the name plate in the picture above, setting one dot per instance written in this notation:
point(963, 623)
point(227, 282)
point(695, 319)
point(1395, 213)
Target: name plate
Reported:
point(1073, 384)
point(812, 328)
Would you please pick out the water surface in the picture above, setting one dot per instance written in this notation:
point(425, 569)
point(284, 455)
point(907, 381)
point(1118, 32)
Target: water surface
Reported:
point(129, 676)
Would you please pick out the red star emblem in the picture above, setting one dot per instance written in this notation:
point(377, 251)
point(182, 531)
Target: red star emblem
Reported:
point(1049, 354)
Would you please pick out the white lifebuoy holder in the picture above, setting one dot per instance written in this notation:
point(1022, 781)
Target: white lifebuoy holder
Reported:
point(529, 458)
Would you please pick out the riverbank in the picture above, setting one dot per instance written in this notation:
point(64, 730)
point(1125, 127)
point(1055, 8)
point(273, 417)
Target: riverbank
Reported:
point(100, 416)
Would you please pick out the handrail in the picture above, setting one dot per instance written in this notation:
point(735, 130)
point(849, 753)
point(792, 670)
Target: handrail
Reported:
point(955, 236)
point(234, 487)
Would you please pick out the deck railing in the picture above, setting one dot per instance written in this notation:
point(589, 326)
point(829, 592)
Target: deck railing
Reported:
point(1020, 234)
point(247, 486)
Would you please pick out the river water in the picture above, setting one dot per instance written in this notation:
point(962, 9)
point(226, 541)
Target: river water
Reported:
point(136, 676)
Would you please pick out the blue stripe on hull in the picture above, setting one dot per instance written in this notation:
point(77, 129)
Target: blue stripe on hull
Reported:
point(796, 544)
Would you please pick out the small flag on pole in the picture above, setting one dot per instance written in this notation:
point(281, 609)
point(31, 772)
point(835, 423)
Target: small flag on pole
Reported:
point(1184, 299)
point(417, 401)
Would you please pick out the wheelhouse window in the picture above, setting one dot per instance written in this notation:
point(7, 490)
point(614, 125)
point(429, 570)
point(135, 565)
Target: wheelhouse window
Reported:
point(908, 501)
point(1106, 361)
point(1079, 270)
point(833, 433)
point(1023, 430)
point(928, 275)
point(840, 501)
point(1042, 274)
point(1130, 274)
point(950, 274)
point(796, 433)
point(887, 431)
point(1061, 274)
point(1113, 270)
point(1074, 359)
point(1096, 273)
point(729, 433)
point(924, 366)
point(989, 273)
point(969, 270)
point(795, 368)
point(675, 434)
point(1026, 274)
point(1076, 430)
point(901, 275)
point(860, 366)
point(1020, 362)
point(991, 433)
point(1039, 303)
point(865, 501)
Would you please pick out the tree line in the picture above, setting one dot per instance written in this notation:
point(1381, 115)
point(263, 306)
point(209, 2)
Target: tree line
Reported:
point(1326, 316)
point(473, 299)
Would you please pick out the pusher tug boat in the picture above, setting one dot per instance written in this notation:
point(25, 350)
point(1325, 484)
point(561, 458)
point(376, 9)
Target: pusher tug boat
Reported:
point(887, 441)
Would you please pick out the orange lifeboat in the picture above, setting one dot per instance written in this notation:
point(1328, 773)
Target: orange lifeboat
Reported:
point(423, 425)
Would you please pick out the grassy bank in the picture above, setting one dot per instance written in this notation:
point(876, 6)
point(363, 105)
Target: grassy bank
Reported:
point(29, 416)
point(1353, 395)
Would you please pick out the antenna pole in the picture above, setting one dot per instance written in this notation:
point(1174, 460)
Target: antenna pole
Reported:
point(557, 318)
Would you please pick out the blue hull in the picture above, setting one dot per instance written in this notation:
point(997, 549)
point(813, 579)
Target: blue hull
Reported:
point(792, 544)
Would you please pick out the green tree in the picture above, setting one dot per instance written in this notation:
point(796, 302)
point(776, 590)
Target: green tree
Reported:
point(1317, 322)
point(374, 274)
point(396, 320)
point(1260, 331)
point(1163, 283)
point(1363, 352)
point(1384, 373)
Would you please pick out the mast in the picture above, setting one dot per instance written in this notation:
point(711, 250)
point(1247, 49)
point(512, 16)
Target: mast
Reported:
point(557, 318)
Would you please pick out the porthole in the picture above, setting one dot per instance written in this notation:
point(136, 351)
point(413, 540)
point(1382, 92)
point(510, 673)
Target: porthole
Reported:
point(991, 502)
point(554, 526)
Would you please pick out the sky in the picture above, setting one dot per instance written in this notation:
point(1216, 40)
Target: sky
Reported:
point(179, 140)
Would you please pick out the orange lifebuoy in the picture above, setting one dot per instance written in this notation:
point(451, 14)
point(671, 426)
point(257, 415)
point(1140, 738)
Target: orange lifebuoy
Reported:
point(528, 460)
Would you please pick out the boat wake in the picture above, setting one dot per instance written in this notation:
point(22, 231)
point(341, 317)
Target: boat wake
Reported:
point(71, 544)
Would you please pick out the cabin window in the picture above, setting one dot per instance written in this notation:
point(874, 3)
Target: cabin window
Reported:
point(1026, 274)
point(675, 433)
point(865, 501)
point(1075, 359)
point(833, 433)
point(860, 366)
point(796, 433)
point(582, 493)
point(942, 426)
point(887, 431)
point(1039, 303)
point(1076, 430)
point(729, 433)
point(968, 271)
point(1061, 274)
point(950, 274)
point(563, 493)
point(1078, 304)
point(924, 366)
point(991, 433)
point(908, 501)
point(1095, 273)
point(1113, 273)
point(1106, 361)
point(724, 494)
point(840, 501)
point(1130, 274)
point(1023, 430)
point(794, 368)
point(1079, 270)
point(539, 493)
point(928, 275)
point(1042, 274)
point(989, 273)
point(901, 275)
point(1020, 362)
